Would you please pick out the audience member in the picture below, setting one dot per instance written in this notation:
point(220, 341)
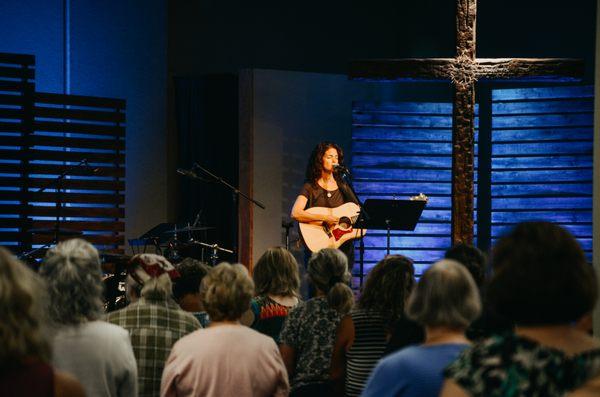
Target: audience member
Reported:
point(277, 284)
point(99, 354)
point(186, 289)
point(153, 319)
point(363, 335)
point(24, 349)
point(308, 334)
point(489, 322)
point(445, 302)
point(541, 282)
point(226, 359)
point(470, 257)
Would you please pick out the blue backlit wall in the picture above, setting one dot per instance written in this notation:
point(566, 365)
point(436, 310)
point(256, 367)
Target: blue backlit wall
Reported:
point(36, 27)
point(542, 159)
point(541, 165)
point(106, 49)
point(400, 150)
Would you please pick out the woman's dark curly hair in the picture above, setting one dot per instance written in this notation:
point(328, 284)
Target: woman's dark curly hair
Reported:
point(315, 162)
point(388, 286)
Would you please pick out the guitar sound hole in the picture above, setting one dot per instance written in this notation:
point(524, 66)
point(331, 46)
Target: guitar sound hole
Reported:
point(345, 223)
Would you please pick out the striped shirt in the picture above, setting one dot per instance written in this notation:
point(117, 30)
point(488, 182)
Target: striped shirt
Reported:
point(154, 326)
point(369, 344)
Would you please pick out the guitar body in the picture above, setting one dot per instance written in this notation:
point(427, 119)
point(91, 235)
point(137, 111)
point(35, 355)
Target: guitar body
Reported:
point(317, 236)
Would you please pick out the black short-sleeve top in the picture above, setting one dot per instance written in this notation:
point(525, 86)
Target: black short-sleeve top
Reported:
point(320, 197)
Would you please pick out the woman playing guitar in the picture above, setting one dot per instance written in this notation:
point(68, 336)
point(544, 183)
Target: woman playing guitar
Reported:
point(324, 189)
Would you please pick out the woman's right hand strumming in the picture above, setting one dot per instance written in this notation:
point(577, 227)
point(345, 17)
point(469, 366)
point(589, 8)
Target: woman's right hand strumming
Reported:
point(331, 220)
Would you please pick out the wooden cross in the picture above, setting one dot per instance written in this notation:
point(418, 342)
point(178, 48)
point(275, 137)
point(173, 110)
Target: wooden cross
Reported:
point(464, 71)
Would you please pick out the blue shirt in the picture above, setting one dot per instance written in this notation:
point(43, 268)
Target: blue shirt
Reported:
point(413, 371)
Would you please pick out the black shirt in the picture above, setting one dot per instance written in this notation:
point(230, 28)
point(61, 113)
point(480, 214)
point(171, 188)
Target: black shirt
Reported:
point(319, 197)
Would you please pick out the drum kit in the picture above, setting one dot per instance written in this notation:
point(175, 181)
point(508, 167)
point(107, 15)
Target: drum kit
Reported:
point(176, 243)
point(166, 239)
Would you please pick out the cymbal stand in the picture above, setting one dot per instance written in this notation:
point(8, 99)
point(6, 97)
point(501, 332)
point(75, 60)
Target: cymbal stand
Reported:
point(173, 245)
point(214, 251)
point(57, 182)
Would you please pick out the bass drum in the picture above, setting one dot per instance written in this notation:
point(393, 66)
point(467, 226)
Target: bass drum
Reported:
point(114, 268)
point(114, 292)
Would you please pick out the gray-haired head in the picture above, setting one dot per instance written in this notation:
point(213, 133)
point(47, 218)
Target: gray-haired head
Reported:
point(328, 271)
point(74, 278)
point(446, 295)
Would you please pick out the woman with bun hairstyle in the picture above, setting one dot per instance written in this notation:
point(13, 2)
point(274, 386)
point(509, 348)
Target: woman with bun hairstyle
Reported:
point(308, 334)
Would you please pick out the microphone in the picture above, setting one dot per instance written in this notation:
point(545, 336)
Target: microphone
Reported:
point(87, 165)
point(341, 169)
point(188, 173)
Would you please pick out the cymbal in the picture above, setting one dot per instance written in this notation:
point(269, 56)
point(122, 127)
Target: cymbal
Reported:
point(52, 231)
point(189, 229)
point(214, 247)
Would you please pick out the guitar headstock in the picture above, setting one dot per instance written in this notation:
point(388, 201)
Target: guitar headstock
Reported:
point(420, 197)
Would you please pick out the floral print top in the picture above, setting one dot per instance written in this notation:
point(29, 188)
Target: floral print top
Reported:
point(310, 329)
point(510, 365)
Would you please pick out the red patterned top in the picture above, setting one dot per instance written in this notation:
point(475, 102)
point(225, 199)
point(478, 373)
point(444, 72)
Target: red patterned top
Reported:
point(32, 379)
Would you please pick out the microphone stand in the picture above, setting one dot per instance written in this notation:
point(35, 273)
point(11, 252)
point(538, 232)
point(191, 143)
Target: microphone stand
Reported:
point(362, 219)
point(57, 182)
point(287, 226)
point(233, 188)
point(235, 194)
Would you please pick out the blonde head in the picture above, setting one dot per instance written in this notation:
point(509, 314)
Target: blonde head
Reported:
point(277, 273)
point(226, 292)
point(21, 313)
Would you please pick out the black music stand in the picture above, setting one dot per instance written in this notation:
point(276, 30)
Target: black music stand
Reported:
point(154, 237)
point(389, 215)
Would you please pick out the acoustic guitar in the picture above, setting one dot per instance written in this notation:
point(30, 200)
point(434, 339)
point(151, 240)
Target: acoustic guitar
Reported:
point(318, 235)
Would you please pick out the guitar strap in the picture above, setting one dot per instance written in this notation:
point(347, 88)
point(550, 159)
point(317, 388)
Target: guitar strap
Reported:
point(347, 193)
